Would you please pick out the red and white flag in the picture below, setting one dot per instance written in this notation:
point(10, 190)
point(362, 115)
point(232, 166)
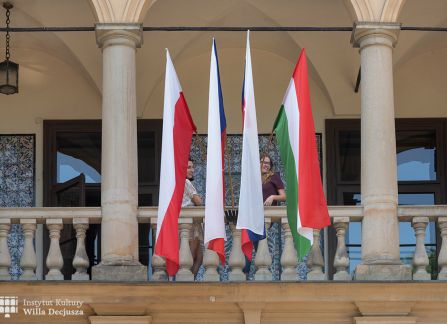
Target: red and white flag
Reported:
point(178, 128)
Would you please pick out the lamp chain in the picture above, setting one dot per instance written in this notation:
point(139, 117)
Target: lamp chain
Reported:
point(7, 34)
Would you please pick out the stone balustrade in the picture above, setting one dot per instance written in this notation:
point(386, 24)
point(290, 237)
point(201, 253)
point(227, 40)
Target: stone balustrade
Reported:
point(54, 219)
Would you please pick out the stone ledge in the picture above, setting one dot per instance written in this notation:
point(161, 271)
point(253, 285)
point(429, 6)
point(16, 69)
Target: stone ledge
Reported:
point(119, 273)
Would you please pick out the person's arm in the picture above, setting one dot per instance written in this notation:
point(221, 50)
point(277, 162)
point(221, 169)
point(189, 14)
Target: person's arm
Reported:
point(196, 199)
point(280, 197)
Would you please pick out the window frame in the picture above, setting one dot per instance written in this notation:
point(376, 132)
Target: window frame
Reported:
point(336, 187)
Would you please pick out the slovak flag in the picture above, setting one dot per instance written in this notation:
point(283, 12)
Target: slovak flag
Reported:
point(215, 236)
point(251, 205)
point(178, 128)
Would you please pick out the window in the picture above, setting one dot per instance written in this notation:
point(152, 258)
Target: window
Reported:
point(72, 177)
point(421, 165)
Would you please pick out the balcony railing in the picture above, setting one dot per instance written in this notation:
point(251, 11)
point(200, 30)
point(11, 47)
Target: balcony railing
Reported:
point(55, 218)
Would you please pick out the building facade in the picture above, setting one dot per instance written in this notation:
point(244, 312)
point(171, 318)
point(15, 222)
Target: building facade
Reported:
point(80, 145)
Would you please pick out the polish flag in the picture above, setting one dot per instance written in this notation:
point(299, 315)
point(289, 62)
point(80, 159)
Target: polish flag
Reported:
point(251, 205)
point(178, 128)
point(215, 237)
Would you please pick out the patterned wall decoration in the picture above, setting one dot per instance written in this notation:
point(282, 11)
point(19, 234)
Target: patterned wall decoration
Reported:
point(233, 159)
point(17, 174)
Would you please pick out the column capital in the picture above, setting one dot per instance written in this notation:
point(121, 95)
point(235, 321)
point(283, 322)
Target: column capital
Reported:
point(119, 34)
point(377, 32)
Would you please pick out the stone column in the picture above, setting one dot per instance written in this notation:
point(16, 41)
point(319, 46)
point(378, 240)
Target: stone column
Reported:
point(380, 227)
point(119, 173)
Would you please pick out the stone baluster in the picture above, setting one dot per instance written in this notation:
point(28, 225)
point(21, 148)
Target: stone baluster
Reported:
point(263, 259)
point(54, 257)
point(442, 258)
point(315, 259)
point(341, 259)
point(420, 258)
point(211, 262)
point(237, 259)
point(80, 261)
point(158, 262)
point(185, 257)
point(5, 258)
point(289, 260)
point(28, 262)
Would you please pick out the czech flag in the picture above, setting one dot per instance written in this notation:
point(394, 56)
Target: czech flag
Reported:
point(215, 237)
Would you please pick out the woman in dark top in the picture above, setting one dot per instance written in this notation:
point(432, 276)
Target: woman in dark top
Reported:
point(272, 191)
point(272, 186)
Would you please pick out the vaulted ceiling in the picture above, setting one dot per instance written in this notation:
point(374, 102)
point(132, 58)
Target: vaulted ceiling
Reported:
point(334, 62)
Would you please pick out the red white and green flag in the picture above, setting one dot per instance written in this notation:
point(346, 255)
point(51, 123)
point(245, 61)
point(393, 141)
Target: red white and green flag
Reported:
point(295, 134)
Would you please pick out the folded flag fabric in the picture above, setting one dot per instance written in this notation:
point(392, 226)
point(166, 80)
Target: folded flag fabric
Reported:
point(295, 134)
point(214, 237)
point(251, 204)
point(178, 128)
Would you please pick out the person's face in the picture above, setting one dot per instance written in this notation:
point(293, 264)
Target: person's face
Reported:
point(265, 164)
point(190, 171)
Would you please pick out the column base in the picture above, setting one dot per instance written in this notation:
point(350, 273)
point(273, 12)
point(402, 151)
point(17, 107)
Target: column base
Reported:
point(119, 273)
point(342, 276)
point(289, 275)
point(421, 276)
point(54, 275)
point(80, 276)
point(160, 276)
point(263, 275)
point(382, 272)
point(211, 275)
point(184, 275)
point(237, 275)
point(315, 276)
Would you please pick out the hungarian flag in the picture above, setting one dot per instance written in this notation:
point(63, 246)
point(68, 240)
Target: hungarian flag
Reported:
point(215, 191)
point(251, 205)
point(178, 128)
point(295, 134)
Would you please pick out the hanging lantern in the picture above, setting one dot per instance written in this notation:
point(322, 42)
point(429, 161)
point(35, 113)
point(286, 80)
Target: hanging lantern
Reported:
point(9, 71)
